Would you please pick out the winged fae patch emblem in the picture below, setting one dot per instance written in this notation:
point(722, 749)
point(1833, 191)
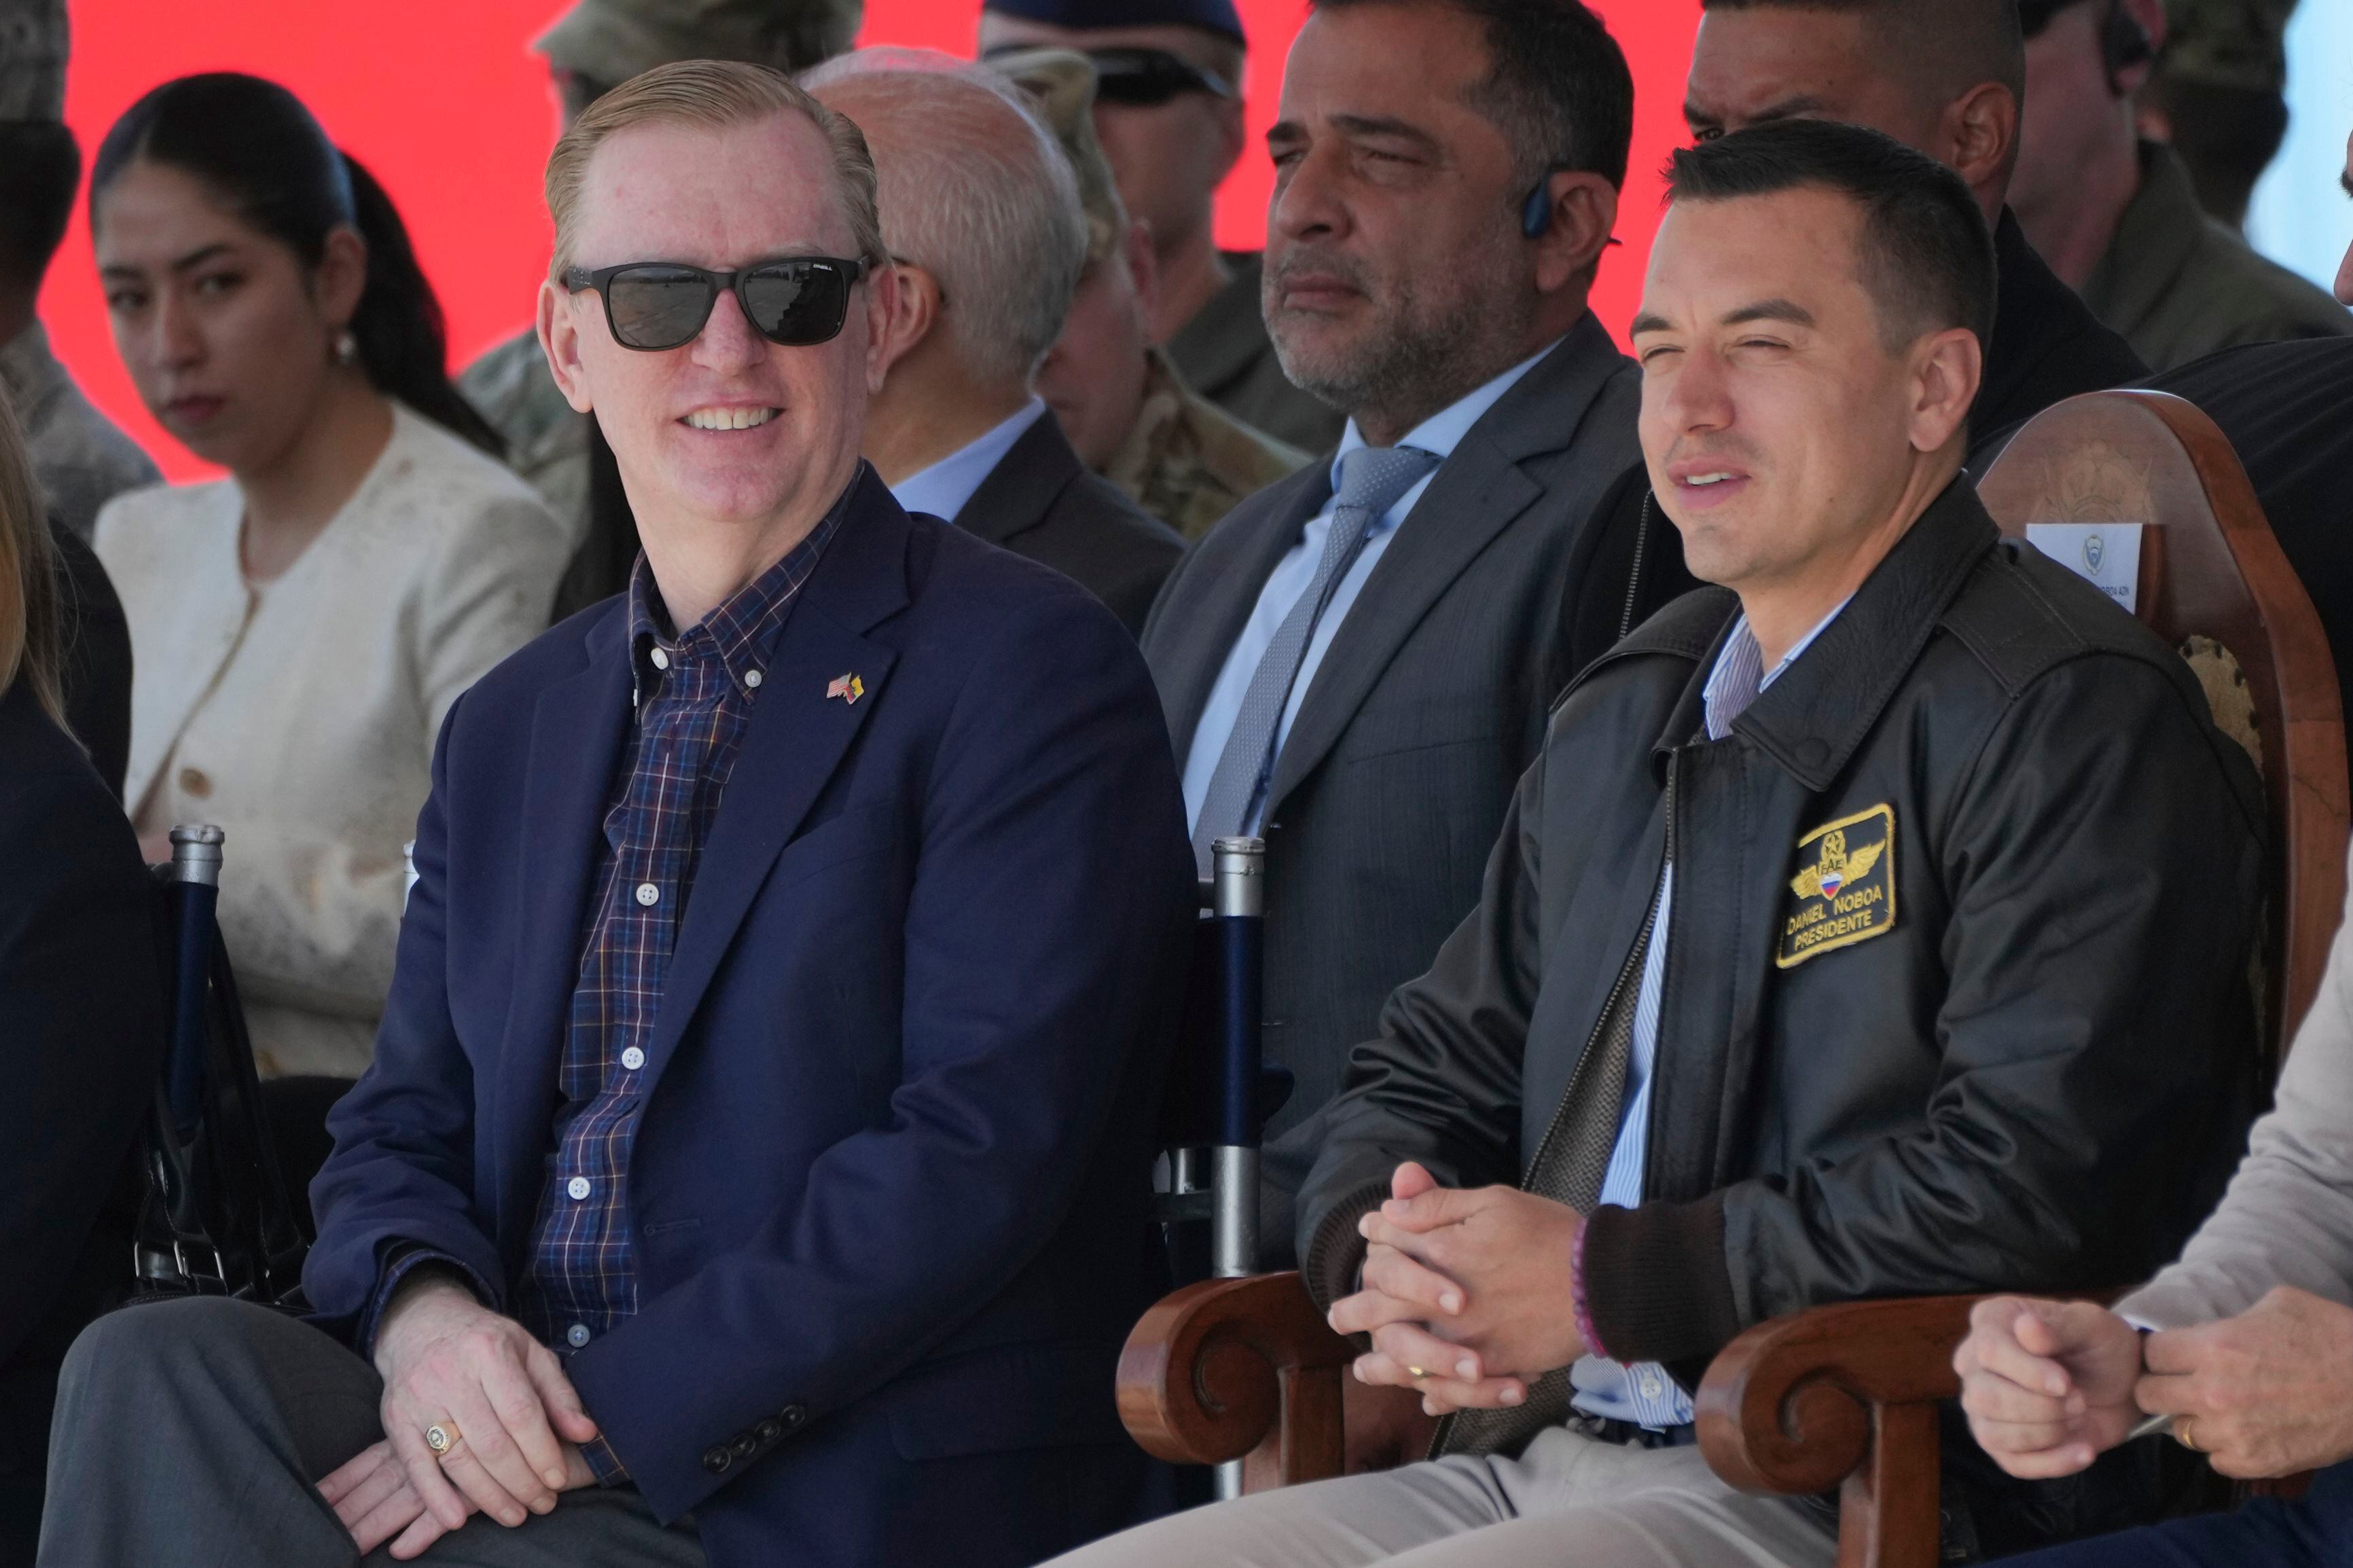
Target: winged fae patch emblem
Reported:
point(1836, 868)
point(1844, 892)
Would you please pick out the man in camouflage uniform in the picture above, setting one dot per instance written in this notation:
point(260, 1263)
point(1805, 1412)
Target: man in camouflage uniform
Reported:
point(1187, 461)
point(80, 459)
point(2219, 98)
point(1124, 405)
point(1170, 117)
point(2117, 217)
point(591, 50)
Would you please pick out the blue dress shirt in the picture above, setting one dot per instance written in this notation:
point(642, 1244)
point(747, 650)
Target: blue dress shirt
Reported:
point(1644, 1394)
point(1440, 432)
point(942, 489)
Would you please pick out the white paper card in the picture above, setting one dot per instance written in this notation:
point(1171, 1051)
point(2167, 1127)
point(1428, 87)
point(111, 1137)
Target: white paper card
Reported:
point(2105, 555)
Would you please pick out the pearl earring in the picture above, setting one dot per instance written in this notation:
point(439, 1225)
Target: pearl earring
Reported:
point(347, 348)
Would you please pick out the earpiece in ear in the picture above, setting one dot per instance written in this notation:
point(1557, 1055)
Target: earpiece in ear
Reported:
point(2124, 44)
point(1535, 215)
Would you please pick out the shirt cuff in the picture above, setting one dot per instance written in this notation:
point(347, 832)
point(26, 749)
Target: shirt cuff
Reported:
point(406, 1258)
point(610, 1471)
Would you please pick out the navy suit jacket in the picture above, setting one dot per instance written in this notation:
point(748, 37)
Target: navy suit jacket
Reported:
point(890, 1193)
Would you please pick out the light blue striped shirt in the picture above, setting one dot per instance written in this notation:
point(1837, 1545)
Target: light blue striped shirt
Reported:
point(1644, 1394)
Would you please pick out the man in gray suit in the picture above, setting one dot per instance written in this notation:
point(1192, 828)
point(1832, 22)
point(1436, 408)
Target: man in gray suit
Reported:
point(1357, 662)
point(981, 213)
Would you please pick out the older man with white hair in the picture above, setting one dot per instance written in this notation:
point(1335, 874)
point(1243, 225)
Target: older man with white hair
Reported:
point(981, 217)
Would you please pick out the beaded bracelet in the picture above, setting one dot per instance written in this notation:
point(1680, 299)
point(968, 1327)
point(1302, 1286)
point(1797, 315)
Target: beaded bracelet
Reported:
point(1576, 1295)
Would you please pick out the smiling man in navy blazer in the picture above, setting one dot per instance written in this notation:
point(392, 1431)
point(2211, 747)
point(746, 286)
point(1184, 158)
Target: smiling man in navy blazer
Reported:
point(754, 1166)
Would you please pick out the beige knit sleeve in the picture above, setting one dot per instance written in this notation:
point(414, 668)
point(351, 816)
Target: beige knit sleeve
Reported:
point(2287, 1218)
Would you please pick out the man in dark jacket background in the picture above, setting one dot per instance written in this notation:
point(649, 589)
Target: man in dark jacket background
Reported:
point(1947, 79)
point(1835, 946)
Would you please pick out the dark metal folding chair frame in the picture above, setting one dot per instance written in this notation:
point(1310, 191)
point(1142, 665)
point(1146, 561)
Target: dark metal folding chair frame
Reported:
point(219, 1218)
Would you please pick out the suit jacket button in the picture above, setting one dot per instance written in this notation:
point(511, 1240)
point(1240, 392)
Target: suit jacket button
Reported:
point(792, 1416)
point(768, 1431)
point(746, 1445)
point(717, 1459)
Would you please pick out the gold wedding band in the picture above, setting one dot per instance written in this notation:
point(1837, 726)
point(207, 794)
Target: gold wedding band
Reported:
point(2181, 1424)
point(441, 1436)
point(1417, 1374)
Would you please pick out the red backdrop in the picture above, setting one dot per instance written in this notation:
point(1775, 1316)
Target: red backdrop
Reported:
point(443, 100)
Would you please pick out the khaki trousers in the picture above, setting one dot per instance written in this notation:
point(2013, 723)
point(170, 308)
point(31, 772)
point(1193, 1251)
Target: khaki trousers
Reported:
point(1569, 1501)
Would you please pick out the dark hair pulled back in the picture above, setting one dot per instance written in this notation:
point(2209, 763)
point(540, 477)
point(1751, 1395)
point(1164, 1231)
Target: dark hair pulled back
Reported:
point(271, 164)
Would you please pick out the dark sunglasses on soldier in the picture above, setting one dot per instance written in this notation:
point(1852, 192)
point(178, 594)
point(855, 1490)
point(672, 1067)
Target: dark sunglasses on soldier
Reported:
point(795, 300)
point(1145, 77)
point(1149, 77)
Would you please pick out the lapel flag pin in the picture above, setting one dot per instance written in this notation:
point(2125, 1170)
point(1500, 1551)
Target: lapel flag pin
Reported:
point(849, 687)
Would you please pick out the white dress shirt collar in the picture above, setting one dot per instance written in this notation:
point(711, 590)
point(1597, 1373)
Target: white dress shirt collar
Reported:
point(942, 489)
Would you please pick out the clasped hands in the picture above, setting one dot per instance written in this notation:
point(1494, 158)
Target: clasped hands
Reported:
point(447, 1360)
point(1468, 1294)
point(2049, 1385)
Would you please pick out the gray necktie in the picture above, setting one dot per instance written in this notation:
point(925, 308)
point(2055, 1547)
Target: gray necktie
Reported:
point(1371, 481)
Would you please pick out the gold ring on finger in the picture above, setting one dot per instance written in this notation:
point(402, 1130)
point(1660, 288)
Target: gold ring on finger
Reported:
point(1417, 1374)
point(2181, 1434)
point(443, 1436)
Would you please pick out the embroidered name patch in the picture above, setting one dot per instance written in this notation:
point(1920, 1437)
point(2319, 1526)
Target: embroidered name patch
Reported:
point(1845, 887)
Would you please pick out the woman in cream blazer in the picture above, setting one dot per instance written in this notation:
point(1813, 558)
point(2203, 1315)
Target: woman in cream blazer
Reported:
point(299, 628)
point(300, 714)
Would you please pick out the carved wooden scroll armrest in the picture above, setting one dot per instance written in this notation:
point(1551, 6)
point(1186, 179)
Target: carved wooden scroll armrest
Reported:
point(1842, 1397)
point(1238, 1369)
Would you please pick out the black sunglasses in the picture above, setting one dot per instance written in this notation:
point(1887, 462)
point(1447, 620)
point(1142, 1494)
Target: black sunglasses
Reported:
point(656, 305)
point(2034, 15)
point(1143, 78)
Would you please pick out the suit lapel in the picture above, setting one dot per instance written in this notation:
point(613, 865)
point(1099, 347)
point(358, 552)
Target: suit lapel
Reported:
point(1475, 495)
point(1025, 484)
point(577, 730)
point(796, 738)
point(1225, 584)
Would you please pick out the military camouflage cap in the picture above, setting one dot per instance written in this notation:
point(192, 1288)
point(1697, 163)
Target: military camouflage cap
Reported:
point(2228, 43)
point(610, 41)
point(1061, 82)
point(33, 49)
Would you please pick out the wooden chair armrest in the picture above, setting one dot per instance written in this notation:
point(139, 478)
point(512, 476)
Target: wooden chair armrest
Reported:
point(1787, 1407)
point(1238, 1369)
point(1843, 1397)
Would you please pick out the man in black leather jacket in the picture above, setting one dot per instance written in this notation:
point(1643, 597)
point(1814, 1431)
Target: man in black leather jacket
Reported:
point(1877, 926)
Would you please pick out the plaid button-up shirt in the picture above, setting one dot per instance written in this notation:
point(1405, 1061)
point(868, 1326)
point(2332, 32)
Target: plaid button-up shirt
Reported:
point(694, 697)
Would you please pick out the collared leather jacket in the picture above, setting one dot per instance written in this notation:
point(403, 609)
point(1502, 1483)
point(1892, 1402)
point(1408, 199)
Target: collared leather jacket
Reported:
point(1956, 977)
